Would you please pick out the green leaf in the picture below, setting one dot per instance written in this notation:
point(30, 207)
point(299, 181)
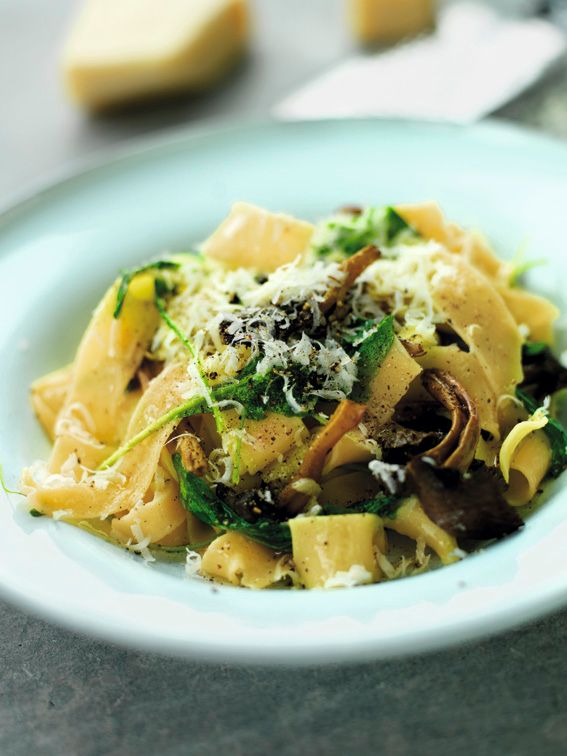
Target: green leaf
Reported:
point(534, 348)
point(395, 227)
point(260, 393)
point(522, 266)
point(128, 275)
point(384, 506)
point(197, 497)
point(555, 432)
point(4, 487)
point(344, 235)
point(371, 354)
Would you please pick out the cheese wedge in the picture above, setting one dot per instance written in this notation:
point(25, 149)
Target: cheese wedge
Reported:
point(251, 237)
point(390, 20)
point(124, 50)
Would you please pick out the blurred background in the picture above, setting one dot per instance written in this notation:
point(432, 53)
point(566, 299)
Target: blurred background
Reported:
point(79, 78)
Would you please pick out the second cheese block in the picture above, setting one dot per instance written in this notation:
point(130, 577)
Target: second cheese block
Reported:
point(123, 50)
point(390, 20)
point(251, 237)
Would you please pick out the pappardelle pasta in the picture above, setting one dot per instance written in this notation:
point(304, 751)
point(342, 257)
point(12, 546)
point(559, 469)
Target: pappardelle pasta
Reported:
point(312, 406)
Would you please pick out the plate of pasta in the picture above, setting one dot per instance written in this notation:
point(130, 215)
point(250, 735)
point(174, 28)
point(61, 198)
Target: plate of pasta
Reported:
point(289, 392)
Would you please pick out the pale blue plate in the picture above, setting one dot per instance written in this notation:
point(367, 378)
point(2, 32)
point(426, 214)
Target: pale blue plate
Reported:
point(60, 248)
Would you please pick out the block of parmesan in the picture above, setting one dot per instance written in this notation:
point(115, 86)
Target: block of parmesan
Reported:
point(123, 50)
point(251, 237)
point(390, 20)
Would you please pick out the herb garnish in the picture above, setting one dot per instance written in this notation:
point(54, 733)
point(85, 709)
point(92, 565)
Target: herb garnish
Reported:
point(346, 234)
point(199, 498)
point(555, 432)
point(520, 266)
point(534, 348)
point(371, 354)
point(384, 506)
point(4, 487)
point(129, 274)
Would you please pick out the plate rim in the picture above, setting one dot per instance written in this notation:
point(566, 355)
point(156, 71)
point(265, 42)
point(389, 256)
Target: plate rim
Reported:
point(104, 157)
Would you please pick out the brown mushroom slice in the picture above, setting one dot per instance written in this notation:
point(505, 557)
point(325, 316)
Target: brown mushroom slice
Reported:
point(457, 449)
point(350, 210)
point(352, 268)
point(347, 416)
point(399, 443)
point(413, 348)
point(192, 454)
point(466, 506)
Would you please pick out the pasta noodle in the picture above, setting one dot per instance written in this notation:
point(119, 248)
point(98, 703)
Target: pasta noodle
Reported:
point(516, 437)
point(328, 550)
point(272, 407)
point(48, 395)
point(529, 466)
point(411, 521)
point(235, 559)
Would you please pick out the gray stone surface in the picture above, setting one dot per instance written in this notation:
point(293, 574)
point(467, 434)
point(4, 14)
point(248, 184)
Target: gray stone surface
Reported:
point(62, 694)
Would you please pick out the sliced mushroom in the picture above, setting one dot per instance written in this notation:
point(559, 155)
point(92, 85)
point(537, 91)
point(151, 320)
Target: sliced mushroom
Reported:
point(192, 455)
point(399, 443)
point(350, 210)
point(396, 436)
point(347, 416)
point(352, 268)
point(457, 449)
point(466, 506)
point(413, 348)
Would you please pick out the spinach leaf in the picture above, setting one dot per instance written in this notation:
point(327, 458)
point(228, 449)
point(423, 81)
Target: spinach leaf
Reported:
point(128, 275)
point(260, 393)
point(555, 432)
point(371, 354)
point(384, 506)
point(197, 497)
point(534, 348)
point(345, 235)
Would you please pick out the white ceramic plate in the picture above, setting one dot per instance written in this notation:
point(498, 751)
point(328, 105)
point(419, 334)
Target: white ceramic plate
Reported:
point(59, 250)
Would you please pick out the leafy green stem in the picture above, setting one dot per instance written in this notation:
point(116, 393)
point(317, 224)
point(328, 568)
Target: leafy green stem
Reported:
point(555, 432)
point(128, 275)
point(194, 406)
point(5, 488)
point(172, 325)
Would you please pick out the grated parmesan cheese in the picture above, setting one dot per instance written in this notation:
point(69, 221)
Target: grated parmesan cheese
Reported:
point(404, 284)
point(356, 575)
point(392, 476)
point(192, 563)
point(140, 546)
point(58, 514)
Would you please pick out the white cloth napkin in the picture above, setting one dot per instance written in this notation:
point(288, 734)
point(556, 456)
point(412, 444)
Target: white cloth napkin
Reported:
point(474, 63)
